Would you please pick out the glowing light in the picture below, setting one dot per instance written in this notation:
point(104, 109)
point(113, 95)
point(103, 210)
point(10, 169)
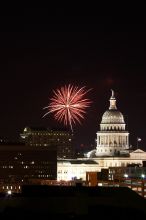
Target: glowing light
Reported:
point(9, 192)
point(142, 175)
point(69, 105)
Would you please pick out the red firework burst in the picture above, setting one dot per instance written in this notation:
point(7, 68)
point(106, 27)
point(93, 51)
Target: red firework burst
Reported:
point(68, 104)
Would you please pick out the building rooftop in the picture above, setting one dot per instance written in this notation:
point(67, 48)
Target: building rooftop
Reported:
point(77, 161)
point(34, 128)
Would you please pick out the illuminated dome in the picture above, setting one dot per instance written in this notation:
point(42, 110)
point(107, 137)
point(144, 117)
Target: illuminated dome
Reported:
point(112, 117)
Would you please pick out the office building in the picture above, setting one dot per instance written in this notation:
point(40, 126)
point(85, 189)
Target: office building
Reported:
point(38, 137)
point(19, 163)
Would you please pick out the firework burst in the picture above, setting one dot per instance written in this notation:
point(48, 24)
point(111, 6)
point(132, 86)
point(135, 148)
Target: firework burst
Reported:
point(69, 105)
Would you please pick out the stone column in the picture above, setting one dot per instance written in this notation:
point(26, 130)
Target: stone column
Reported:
point(127, 140)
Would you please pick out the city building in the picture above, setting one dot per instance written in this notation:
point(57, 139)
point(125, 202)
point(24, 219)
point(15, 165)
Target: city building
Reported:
point(112, 148)
point(132, 177)
point(19, 163)
point(131, 172)
point(38, 137)
point(72, 169)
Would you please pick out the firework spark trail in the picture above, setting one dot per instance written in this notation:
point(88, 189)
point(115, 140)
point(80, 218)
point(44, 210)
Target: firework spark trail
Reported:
point(69, 105)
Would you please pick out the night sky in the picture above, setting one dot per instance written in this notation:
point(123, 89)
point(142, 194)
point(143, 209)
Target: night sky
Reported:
point(43, 49)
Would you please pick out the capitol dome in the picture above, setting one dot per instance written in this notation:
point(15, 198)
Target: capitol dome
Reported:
point(112, 116)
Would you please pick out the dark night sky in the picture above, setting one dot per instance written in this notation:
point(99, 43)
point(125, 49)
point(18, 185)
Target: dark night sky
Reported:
point(42, 49)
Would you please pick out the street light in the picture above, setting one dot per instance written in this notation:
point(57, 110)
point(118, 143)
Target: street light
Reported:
point(126, 175)
point(138, 140)
point(9, 192)
point(142, 184)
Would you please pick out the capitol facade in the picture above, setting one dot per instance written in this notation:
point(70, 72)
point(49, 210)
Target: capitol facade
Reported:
point(112, 139)
point(112, 149)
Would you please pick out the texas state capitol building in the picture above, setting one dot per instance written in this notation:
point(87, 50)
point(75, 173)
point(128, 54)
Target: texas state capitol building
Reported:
point(112, 148)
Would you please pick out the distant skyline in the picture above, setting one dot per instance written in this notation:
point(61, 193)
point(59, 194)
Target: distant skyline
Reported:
point(41, 51)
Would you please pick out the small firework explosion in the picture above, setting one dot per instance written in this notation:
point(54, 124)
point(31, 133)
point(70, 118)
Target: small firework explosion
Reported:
point(69, 105)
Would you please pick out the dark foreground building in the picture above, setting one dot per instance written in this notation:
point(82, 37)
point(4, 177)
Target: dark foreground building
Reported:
point(19, 163)
point(48, 202)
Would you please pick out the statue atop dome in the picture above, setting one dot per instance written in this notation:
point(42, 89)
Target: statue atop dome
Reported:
point(113, 94)
point(112, 101)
